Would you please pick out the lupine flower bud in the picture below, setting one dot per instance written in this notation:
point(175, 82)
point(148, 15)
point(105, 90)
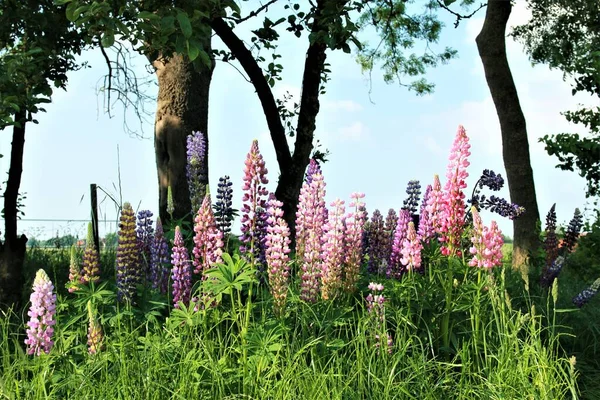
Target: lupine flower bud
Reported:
point(91, 259)
point(74, 271)
point(208, 239)
point(181, 274)
point(41, 315)
point(196, 173)
point(333, 250)
point(95, 334)
point(128, 258)
point(551, 241)
point(354, 222)
point(224, 212)
point(170, 203)
point(159, 260)
point(277, 255)
point(412, 201)
point(572, 233)
point(145, 234)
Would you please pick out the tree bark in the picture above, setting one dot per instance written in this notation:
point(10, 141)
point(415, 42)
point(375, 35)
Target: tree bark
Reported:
point(12, 251)
point(182, 108)
point(491, 43)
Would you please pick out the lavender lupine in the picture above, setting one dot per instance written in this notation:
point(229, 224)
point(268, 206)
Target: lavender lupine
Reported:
point(128, 256)
point(223, 208)
point(333, 250)
point(253, 199)
point(313, 168)
point(551, 241)
point(159, 259)
point(413, 191)
point(95, 335)
point(41, 315)
point(145, 234)
point(91, 259)
point(390, 224)
point(277, 255)
point(181, 274)
point(487, 243)
point(74, 271)
point(586, 295)
point(196, 174)
point(354, 222)
point(310, 219)
point(208, 240)
point(426, 229)
point(395, 268)
point(572, 233)
point(436, 205)
point(378, 243)
point(411, 249)
point(454, 212)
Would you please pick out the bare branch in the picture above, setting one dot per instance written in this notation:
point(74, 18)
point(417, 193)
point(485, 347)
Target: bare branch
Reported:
point(458, 15)
point(253, 13)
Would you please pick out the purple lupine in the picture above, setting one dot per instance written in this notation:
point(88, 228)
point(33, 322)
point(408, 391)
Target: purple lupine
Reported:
point(128, 257)
point(454, 212)
point(411, 249)
point(145, 234)
point(333, 251)
point(395, 268)
point(208, 240)
point(490, 179)
point(159, 259)
point(41, 315)
point(391, 221)
point(181, 274)
point(551, 241)
point(378, 244)
point(95, 335)
point(376, 308)
point(310, 217)
point(74, 272)
point(552, 272)
point(253, 199)
point(224, 212)
point(355, 222)
point(313, 168)
point(426, 229)
point(196, 173)
point(91, 259)
point(487, 243)
point(572, 233)
point(586, 295)
point(277, 255)
point(498, 205)
point(413, 190)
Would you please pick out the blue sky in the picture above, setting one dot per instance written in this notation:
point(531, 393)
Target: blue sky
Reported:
point(380, 136)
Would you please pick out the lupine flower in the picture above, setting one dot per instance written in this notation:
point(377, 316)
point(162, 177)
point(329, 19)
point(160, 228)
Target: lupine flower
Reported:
point(411, 249)
point(74, 271)
point(586, 295)
point(181, 274)
point(41, 315)
point(498, 205)
point(95, 334)
point(333, 250)
point(208, 239)
point(310, 218)
point(412, 201)
point(378, 244)
point(551, 241)
point(354, 222)
point(128, 257)
point(196, 173)
point(454, 212)
point(572, 233)
point(551, 273)
point(487, 243)
point(376, 308)
point(436, 205)
point(255, 179)
point(277, 255)
point(224, 212)
point(426, 229)
point(390, 224)
point(313, 168)
point(91, 259)
point(490, 179)
point(395, 266)
point(170, 203)
point(159, 259)
point(145, 234)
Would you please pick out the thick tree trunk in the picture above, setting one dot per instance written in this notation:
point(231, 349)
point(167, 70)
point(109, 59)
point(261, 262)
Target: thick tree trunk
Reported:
point(182, 108)
point(12, 251)
point(491, 43)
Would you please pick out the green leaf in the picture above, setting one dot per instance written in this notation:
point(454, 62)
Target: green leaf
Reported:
point(193, 50)
point(184, 24)
point(108, 38)
point(70, 12)
point(448, 2)
point(148, 15)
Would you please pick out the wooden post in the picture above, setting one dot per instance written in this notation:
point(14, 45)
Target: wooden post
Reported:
point(94, 199)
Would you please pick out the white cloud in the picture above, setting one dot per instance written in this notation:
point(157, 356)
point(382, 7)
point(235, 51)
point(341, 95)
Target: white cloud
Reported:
point(356, 131)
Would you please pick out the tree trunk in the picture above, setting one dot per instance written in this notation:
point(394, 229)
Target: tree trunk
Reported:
point(491, 43)
point(12, 251)
point(182, 108)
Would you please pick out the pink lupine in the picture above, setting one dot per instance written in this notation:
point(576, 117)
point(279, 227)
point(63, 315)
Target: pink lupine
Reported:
point(310, 217)
point(277, 254)
point(487, 243)
point(411, 249)
point(454, 215)
point(426, 229)
point(333, 250)
point(395, 265)
point(208, 239)
point(181, 273)
point(355, 222)
point(436, 205)
point(41, 315)
point(376, 308)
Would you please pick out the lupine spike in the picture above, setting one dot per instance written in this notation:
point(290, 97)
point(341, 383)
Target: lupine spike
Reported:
point(224, 212)
point(551, 241)
point(91, 259)
point(413, 191)
point(41, 315)
point(128, 258)
point(333, 250)
point(181, 273)
point(586, 295)
point(196, 173)
point(208, 239)
point(426, 228)
point(355, 222)
point(411, 249)
point(572, 233)
point(145, 235)
point(487, 243)
point(378, 244)
point(95, 334)
point(436, 205)
point(170, 202)
point(277, 255)
point(159, 260)
point(74, 272)
point(395, 268)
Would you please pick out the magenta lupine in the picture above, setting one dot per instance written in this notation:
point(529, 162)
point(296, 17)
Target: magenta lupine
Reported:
point(411, 249)
point(128, 256)
point(333, 251)
point(181, 274)
point(159, 259)
point(277, 255)
point(74, 272)
point(426, 229)
point(91, 259)
point(456, 175)
point(487, 243)
point(310, 217)
point(395, 267)
point(354, 222)
point(41, 315)
point(95, 335)
point(253, 199)
point(208, 240)
point(436, 205)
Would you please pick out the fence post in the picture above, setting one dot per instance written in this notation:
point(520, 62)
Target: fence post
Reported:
point(94, 199)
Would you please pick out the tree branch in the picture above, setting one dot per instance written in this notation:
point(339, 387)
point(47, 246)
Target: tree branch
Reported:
point(254, 13)
point(457, 15)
